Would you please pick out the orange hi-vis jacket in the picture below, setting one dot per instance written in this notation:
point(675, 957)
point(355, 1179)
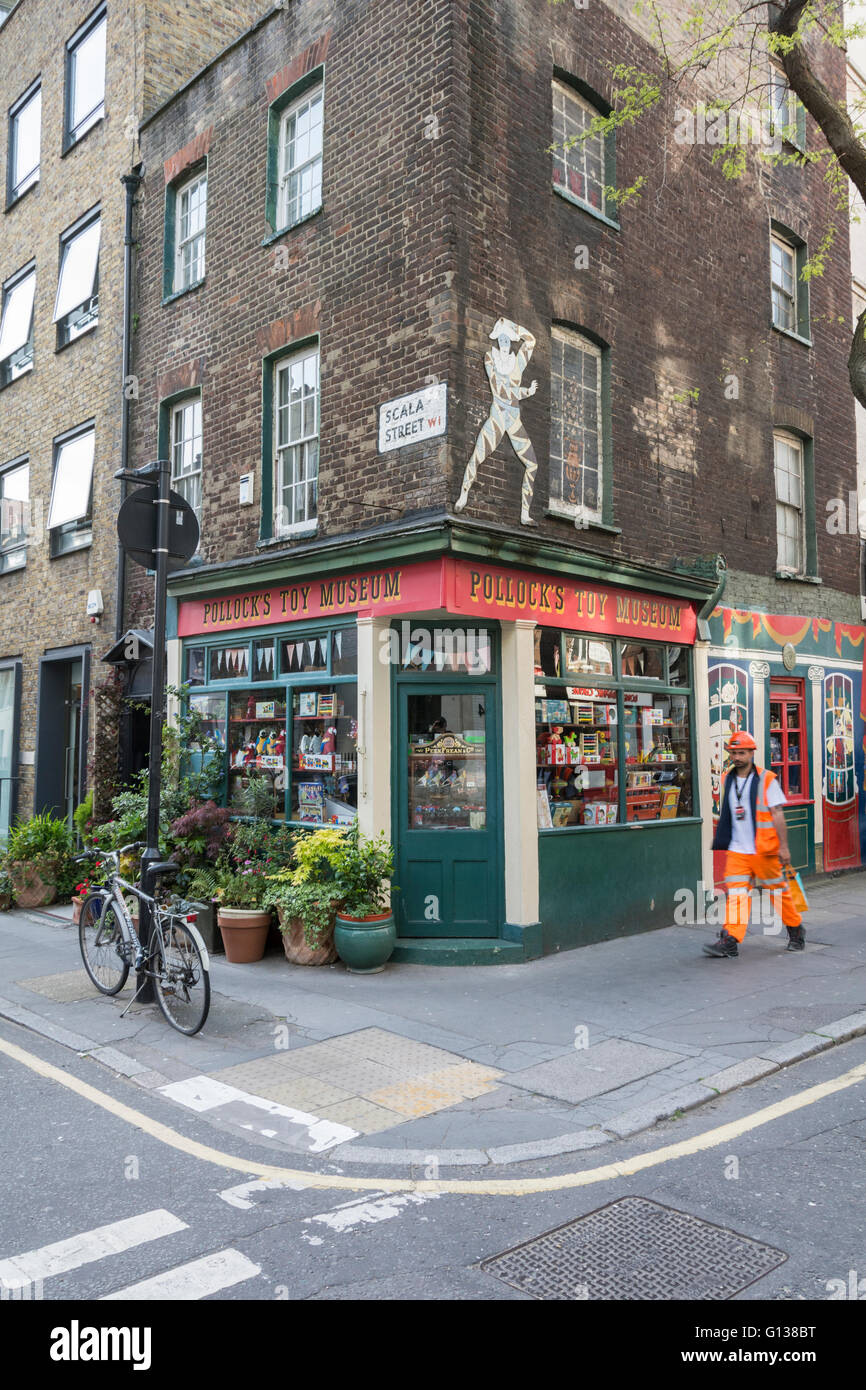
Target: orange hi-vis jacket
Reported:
point(766, 835)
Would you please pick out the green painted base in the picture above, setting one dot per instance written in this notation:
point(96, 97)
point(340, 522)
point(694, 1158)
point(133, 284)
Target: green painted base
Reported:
point(466, 950)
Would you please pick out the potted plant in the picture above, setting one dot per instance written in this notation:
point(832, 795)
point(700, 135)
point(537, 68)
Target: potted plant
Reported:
point(365, 934)
point(7, 894)
point(239, 893)
point(38, 856)
point(306, 897)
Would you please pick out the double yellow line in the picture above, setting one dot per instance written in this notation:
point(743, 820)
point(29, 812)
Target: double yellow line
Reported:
point(493, 1187)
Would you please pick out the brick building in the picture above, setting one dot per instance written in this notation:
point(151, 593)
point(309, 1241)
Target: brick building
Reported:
point(400, 274)
point(74, 84)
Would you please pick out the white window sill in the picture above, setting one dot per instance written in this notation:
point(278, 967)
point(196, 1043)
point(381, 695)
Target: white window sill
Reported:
point(582, 522)
point(587, 207)
point(798, 578)
point(789, 333)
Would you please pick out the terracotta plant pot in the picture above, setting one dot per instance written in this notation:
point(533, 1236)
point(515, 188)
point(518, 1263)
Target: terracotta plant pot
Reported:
point(32, 889)
point(77, 904)
point(365, 944)
point(296, 948)
point(244, 933)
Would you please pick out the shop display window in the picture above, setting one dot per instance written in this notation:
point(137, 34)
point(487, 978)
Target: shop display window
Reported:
point(841, 782)
point(455, 650)
point(576, 755)
point(608, 751)
point(656, 741)
point(324, 736)
point(229, 663)
point(447, 761)
point(257, 753)
point(299, 655)
point(788, 737)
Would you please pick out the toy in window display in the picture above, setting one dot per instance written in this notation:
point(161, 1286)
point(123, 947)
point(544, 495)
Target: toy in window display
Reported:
point(329, 743)
point(249, 753)
point(280, 745)
point(569, 743)
point(262, 743)
point(555, 752)
point(251, 707)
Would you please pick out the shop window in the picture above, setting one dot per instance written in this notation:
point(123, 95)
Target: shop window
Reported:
point(583, 157)
point(76, 307)
point(642, 660)
point(576, 427)
point(840, 785)
point(324, 754)
point(451, 649)
point(195, 667)
point(264, 660)
point(229, 663)
point(16, 325)
point(69, 512)
point(788, 756)
point(608, 751)
point(296, 442)
point(577, 756)
point(211, 711)
point(85, 77)
point(303, 654)
point(447, 761)
point(186, 451)
point(729, 712)
point(257, 753)
point(14, 499)
point(344, 651)
point(25, 126)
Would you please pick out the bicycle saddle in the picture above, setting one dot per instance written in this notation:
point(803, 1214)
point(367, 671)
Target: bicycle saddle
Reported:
point(164, 867)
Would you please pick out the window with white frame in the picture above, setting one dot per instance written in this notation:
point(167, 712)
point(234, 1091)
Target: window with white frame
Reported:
point(14, 497)
point(85, 77)
point(190, 215)
point(784, 283)
point(186, 451)
point(787, 114)
point(576, 426)
point(296, 431)
point(76, 308)
point(16, 325)
point(581, 161)
point(25, 127)
point(69, 515)
point(299, 160)
point(790, 511)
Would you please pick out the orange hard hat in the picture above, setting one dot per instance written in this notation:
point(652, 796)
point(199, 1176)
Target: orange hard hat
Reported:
point(740, 742)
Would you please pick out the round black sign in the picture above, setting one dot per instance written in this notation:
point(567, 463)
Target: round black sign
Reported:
point(136, 528)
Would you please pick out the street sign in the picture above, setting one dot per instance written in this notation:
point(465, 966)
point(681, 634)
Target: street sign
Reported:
point(136, 528)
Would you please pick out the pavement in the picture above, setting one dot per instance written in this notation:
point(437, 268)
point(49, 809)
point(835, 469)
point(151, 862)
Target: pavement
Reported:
point(423, 1068)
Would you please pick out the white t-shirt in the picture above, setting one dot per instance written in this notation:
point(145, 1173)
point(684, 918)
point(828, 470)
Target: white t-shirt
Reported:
point(743, 831)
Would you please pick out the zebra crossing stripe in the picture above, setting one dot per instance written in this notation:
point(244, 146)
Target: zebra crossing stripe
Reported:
point(198, 1279)
point(65, 1255)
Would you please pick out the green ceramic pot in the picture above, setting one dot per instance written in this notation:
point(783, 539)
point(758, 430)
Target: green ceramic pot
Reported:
point(365, 944)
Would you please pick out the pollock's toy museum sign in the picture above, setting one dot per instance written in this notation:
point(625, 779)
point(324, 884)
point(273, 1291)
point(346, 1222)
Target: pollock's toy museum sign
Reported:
point(450, 586)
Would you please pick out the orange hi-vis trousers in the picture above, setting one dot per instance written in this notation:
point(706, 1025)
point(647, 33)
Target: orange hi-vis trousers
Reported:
point(746, 871)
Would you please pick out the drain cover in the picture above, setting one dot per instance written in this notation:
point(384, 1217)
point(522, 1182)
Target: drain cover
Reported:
point(635, 1249)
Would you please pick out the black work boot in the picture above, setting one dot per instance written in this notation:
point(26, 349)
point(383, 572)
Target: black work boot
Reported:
point(796, 939)
point(725, 946)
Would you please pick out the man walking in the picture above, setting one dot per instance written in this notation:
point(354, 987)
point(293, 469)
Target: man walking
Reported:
point(752, 830)
point(504, 370)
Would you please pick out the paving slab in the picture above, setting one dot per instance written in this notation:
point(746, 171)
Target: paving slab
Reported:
point(592, 1071)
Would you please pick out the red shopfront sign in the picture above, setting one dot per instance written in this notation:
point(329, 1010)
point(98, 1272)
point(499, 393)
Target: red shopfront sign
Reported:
point(449, 586)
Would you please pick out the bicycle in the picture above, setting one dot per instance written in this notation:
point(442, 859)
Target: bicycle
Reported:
point(175, 958)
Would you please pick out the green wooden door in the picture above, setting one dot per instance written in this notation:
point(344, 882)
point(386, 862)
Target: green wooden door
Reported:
point(447, 807)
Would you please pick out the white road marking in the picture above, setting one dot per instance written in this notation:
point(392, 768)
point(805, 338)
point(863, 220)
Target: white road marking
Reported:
point(65, 1255)
point(238, 1196)
point(192, 1281)
point(366, 1212)
point(200, 1093)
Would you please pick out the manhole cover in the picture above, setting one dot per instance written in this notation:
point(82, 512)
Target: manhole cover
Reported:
point(635, 1249)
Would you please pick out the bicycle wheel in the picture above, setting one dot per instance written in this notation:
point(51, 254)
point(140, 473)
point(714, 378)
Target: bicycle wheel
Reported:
point(181, 975)
point(101, 945)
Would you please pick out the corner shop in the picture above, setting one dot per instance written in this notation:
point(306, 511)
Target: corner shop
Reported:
point(433, 668)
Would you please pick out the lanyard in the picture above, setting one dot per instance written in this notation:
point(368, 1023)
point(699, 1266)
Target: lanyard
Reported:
point(739, 794)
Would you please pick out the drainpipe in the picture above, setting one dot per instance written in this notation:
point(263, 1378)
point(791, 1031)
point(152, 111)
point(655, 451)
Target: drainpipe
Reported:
point(702, 721)
point(713, 600)
point(131, 183)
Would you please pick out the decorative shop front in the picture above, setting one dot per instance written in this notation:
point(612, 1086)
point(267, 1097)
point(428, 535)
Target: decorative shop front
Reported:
point(796, 683)
point(526, 738)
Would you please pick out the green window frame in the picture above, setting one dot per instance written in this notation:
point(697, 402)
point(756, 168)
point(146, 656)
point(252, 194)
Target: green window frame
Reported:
point(785, 102)
point(283, 683)
point(171, 288)
point(783, 237)
point(809, 526)
point(575, 184)
point(277, 111)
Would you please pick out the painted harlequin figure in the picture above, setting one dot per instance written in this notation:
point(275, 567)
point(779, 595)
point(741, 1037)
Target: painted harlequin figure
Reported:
point(504, 370)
